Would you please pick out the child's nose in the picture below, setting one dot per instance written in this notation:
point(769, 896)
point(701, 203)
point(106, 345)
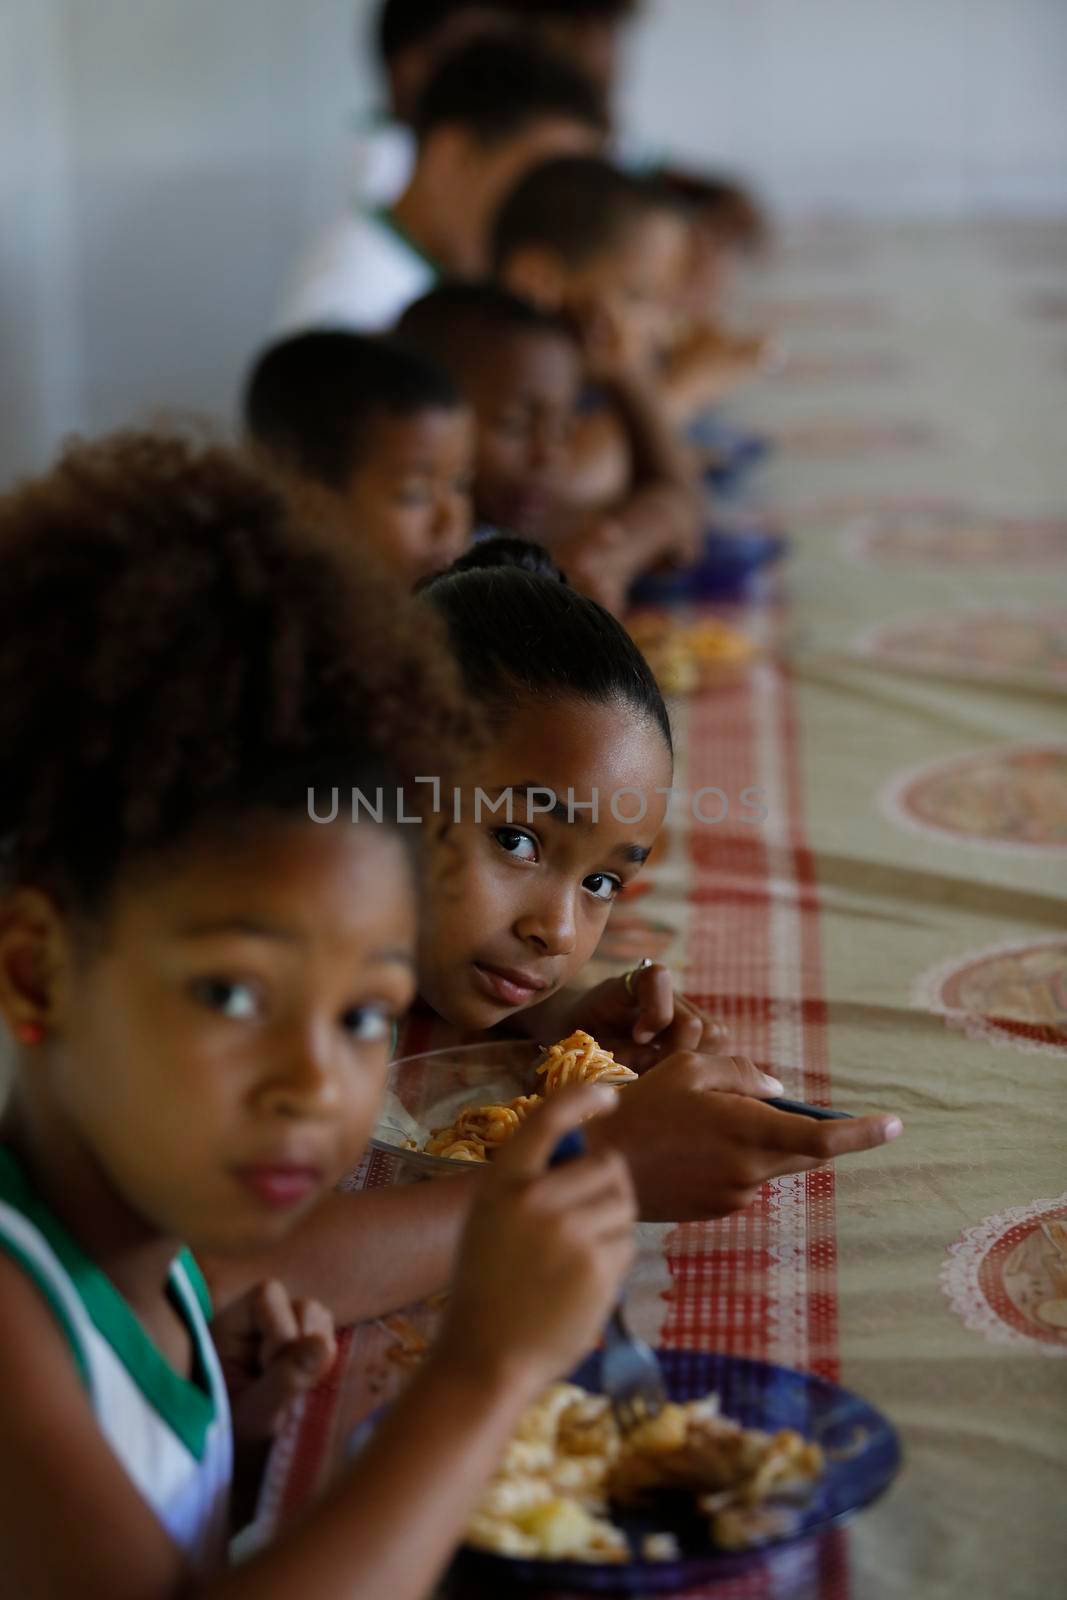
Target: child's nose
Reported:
point(545, 448)
point(302, 1081)
point(452, 523)
point(551, 927)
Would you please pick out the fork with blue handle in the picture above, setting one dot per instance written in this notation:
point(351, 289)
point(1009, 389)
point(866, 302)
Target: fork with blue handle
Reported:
point(629, 1372)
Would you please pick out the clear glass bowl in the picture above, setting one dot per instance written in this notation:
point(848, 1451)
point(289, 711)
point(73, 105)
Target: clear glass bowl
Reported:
point(426, 1092)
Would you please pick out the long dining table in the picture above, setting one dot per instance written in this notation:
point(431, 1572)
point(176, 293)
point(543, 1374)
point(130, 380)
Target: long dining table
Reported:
point(892, 935)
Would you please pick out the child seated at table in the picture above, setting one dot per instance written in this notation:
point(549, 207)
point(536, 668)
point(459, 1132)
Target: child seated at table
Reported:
point(493, 110)
point(580, 234)
point(382, 435)
point(709, 358)
point(200, 972)
point(512, 908)
point(521, 368)
point(577, 235)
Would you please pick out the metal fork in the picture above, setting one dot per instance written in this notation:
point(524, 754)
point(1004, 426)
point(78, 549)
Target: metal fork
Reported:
point(630, 1374)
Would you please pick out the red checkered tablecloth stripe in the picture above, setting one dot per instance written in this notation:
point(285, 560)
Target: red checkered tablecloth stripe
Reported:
point(762, 1283)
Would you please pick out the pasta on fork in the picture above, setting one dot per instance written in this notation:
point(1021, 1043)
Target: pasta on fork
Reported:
point(579, 1059)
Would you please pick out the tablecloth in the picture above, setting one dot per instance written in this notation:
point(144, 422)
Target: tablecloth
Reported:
point(894, 934)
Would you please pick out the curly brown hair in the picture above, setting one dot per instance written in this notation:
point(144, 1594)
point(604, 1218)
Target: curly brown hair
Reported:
point(176, 648)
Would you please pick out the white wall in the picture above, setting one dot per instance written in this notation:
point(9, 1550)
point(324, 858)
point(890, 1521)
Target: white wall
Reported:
point(160, 160)
point(885, 107)
point(160, 163)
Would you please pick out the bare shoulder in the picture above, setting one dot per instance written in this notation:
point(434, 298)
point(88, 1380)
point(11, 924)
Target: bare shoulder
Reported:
point(34, 1342)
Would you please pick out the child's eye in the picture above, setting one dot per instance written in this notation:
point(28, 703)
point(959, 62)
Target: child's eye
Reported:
point(518, 844)
point(368, 1024)
point(414, 495)
point(602, 885)
point(237, 1001)
point(513, 424)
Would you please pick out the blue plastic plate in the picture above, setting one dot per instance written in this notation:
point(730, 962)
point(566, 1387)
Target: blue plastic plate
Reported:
point(863, 1456)
point(730, 569)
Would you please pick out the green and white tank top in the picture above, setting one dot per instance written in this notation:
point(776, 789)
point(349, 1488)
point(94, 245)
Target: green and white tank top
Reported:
point(172, 1434)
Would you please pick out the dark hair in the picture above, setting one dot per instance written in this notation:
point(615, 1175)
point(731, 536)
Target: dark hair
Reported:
point(577, 206)
point(502, 550)
point(497, 86)
point(572, 10)
point(727, 204)
point(521, 634)
point(175, 652)
point(457, 323)
point(310, 400)
point(404, 23)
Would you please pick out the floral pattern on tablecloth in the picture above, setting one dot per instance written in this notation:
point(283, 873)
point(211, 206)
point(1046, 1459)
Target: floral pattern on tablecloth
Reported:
point(1007, 1277)
point(1005, 798)
point(1010, 994)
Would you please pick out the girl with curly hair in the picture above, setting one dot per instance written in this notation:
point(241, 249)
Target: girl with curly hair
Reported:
point(200, 981)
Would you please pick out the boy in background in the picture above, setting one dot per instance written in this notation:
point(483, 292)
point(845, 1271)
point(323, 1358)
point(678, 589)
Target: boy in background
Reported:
point(412, 38)
point(411, 41)
point(495, 109)
point(379, 435)
point(580, 236)
point(522, 369)
point(613, 249)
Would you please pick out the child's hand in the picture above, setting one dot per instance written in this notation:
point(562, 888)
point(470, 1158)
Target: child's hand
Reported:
point(543, 1253)
point(612, 348)
point(598, 562)
point(642, 1019)
point(664, 521)
point(699, 1144)
point(272, 1350)
point(716, 360)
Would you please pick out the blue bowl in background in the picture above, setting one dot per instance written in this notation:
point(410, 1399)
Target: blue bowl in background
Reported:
point(732, 568)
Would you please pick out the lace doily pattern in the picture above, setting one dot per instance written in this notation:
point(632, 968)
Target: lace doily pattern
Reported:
point(1010, 798)
point(1011, 995)
point(1006, 1277)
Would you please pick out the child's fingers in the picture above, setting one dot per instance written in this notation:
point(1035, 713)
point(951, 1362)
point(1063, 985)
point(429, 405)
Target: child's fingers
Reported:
point(825, 1141)
point(598, 1182)
point(528, 1152)
point(752, 1081)
point(315, 1321)
point(695, 1030)
point(654, 991)
point(276, 1321)
point(297, 1368)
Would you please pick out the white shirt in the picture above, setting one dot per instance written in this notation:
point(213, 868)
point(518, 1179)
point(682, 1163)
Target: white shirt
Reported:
point(362, 273)
point(383, 162)
point(171, 1434)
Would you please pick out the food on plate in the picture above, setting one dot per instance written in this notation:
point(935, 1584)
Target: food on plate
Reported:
point(568, 1462)
point(686, 655)
point(479, 1130)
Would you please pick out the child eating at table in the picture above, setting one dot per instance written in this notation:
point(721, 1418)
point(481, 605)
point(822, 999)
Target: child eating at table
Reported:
point(200, 968)
point(512, 907)
point(521, 368)
point(379, 432)
point(582, 234)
